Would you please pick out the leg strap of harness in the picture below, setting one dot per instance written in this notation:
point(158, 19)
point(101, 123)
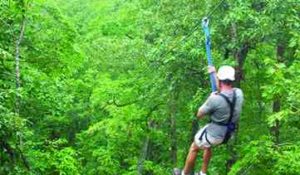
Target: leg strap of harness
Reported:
point(207, 138)
point(202, 134)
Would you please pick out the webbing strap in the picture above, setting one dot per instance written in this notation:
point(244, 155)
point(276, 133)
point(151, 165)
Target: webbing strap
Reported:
point(207, 138)
point(231, 105)
point(212, 75)
point(202, 134)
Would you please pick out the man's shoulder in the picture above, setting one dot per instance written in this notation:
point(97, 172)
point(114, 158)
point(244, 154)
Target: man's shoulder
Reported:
point(238, 91)
point(215, 97)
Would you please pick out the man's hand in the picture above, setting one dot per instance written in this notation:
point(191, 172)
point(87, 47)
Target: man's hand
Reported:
point(211, 69)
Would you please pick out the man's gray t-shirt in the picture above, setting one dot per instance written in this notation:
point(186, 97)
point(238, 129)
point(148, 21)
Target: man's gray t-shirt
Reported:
point(219, 111)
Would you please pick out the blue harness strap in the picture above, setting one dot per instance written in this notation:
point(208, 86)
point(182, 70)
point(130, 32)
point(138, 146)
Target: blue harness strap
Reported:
point(212, 75)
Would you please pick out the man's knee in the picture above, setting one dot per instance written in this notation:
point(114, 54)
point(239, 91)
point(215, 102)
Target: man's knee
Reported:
point(194, 148)
point(208, 149)
point(207, 153)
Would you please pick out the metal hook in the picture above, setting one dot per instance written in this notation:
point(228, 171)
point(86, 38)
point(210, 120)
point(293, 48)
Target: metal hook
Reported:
point(205, 22)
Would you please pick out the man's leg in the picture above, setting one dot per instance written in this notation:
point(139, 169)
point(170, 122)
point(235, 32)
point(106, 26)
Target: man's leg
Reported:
point(191, 158)
point(206, 158)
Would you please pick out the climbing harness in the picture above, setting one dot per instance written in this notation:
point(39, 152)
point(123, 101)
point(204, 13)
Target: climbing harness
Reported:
point(212, 75)
point(230, 125)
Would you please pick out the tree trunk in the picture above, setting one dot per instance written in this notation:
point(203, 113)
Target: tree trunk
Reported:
point(17, 62)
point(145, 148)
point(240, 55)
point(173, 135)
point(195, 128)
point(143, 156)
point(18, 81)
point(275, 130)
point(276, 127)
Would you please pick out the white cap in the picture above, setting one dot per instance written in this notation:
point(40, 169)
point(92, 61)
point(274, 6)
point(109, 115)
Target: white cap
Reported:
point(226, 73)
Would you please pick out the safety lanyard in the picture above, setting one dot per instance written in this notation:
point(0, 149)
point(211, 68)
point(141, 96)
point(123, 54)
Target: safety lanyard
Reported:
point(212, 75)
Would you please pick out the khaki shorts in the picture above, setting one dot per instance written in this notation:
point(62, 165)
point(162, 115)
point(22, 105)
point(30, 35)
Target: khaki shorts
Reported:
point(203, 139)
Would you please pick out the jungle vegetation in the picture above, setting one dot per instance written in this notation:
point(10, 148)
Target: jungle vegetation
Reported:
point(111, 87)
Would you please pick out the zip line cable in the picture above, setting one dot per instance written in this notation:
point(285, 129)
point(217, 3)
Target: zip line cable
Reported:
point(195, 28)
point(214, 9)
point(182, 40)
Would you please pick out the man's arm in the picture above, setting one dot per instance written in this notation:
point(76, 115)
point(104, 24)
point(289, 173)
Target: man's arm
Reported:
point(208, 107)
point(212, 69)
point(200, 113)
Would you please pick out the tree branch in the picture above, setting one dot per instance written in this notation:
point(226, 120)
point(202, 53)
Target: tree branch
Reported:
point(114, 102)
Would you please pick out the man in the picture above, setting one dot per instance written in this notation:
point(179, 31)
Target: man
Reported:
point(219, 110)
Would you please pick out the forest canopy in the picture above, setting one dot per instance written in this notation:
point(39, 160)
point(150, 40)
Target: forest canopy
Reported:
point(112, 86)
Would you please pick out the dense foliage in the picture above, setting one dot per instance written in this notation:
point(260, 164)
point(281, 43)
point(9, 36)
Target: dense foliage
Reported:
point(111, 86)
